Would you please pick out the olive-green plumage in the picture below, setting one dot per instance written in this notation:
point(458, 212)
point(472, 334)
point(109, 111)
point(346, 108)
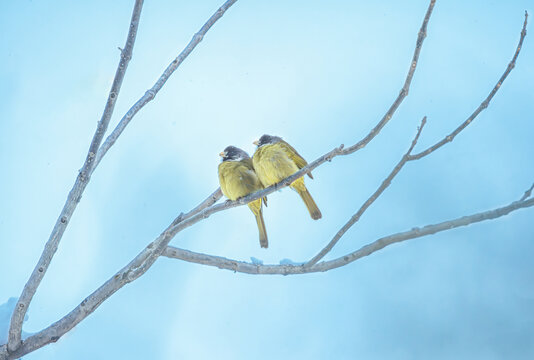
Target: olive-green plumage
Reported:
point(238, 178)
point(274, 160)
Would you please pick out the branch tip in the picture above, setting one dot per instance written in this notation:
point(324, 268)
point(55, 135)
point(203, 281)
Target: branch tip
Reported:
point(527, 193)
point(206, 208)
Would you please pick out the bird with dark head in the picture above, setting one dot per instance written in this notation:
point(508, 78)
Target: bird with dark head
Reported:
point(238, 178)
point(274, 160)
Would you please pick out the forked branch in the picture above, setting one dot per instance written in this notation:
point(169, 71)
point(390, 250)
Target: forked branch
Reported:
point(484, 103)
point(15, 347)
point(249, 268)
point(15, 330)
point(151, 93)
point(144, 260)
point(431, 149)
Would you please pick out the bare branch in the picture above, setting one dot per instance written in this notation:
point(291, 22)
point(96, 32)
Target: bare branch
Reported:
point(142, 262)
point(527, 193)
point(151, 93)
point(368, 202)
point(137, 267)
point(484, 103)
point(410, 157)
point(405, 89)
point(210, 200)
point(56, 330)
point(77, 190)
point(249, 268)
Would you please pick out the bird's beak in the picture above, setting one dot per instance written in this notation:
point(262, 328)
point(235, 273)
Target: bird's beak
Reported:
point(256, 142)
point(222, 154)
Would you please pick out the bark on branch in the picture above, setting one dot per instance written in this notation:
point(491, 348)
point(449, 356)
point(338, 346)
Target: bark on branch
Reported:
point(431, 149)
point(15, 347)
point(15, 330)
point(144, 260)
point(249, 268)
point(151, 93)
point(484, 103)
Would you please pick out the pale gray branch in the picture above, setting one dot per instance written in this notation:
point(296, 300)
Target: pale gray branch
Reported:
point(484, 103)
point(385, 184)
point(137, 267)
point(527, 193)
point(410, 157)
point(210, 200)
point(405, 88)
point(249, 268)
point(56, 330)
point(150, 94)
point(142, 262)
point(77, 190)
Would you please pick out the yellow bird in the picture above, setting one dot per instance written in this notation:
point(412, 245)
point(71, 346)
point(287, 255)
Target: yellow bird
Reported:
point(238, 179)
point(274, 160)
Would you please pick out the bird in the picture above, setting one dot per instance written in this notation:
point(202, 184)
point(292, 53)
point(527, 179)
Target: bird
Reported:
point(238, 178)
point(274, 160)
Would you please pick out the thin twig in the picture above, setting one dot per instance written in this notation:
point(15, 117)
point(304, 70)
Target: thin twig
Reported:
point(527, 193)
point(137, 267)
point(210, 200)
point(410, 157)
point(405, 88)
point(249, 268)
point(151, 93)
point(159, 245)
point(76, 192)
point(56, 330)
point(484, 103)
point(369, 201)
point(142, 262)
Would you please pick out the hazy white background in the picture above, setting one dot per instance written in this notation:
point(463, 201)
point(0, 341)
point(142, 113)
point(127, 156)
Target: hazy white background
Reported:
point(318, 74)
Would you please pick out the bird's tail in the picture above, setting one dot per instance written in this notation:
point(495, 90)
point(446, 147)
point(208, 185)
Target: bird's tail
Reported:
point(299, 186)
point(264, 243)
point(255, 206)
point(315, 213)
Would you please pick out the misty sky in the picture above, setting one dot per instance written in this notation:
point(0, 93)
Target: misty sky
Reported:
point(318, 74)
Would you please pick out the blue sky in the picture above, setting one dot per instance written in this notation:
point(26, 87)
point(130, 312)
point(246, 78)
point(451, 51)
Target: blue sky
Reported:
point(318, 75)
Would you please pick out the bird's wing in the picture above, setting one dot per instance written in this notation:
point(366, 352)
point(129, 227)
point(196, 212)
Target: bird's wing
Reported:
point(294, 155)
point(250, 180)
point(257, 183)
point(222, 180)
